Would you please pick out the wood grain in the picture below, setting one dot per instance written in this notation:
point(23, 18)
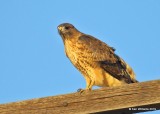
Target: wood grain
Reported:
point(144, 95)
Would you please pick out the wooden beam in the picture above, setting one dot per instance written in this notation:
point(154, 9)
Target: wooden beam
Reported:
point(137, 97)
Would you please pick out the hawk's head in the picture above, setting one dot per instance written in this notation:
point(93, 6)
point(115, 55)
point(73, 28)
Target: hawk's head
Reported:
point(67, 30)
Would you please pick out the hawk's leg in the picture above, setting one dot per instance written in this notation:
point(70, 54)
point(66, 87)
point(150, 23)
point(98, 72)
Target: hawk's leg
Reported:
point(89, 84)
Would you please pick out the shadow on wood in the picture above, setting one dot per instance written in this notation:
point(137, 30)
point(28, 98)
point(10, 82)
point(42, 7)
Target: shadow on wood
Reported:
point(126, 99)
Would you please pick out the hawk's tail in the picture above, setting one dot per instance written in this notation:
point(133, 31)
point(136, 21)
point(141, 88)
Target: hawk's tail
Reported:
point(135, 81)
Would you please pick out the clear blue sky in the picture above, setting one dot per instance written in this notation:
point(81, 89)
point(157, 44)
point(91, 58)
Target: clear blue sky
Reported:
point(32, 59)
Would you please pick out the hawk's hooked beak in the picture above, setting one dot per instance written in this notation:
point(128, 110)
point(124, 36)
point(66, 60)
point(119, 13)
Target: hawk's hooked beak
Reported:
point(60, 31)
point(60, 28)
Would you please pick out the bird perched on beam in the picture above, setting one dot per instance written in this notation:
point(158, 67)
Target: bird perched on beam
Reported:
point(96, 60)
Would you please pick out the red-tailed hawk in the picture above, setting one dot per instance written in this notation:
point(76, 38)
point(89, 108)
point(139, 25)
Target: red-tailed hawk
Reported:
point(96, 60)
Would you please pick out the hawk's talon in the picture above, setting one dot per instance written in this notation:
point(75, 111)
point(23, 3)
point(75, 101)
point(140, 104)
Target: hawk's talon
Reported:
point(78, 90)
point(83, 90)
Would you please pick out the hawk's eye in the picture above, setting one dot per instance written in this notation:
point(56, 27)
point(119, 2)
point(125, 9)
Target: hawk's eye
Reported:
point(67, 28)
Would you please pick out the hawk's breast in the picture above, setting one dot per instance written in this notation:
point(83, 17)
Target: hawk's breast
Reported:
point(70, 50)
point(75, 54)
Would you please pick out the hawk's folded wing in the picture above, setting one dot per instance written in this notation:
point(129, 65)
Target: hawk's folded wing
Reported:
point(98, 51)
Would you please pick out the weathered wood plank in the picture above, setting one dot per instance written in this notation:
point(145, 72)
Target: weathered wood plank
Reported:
point(144, 95)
